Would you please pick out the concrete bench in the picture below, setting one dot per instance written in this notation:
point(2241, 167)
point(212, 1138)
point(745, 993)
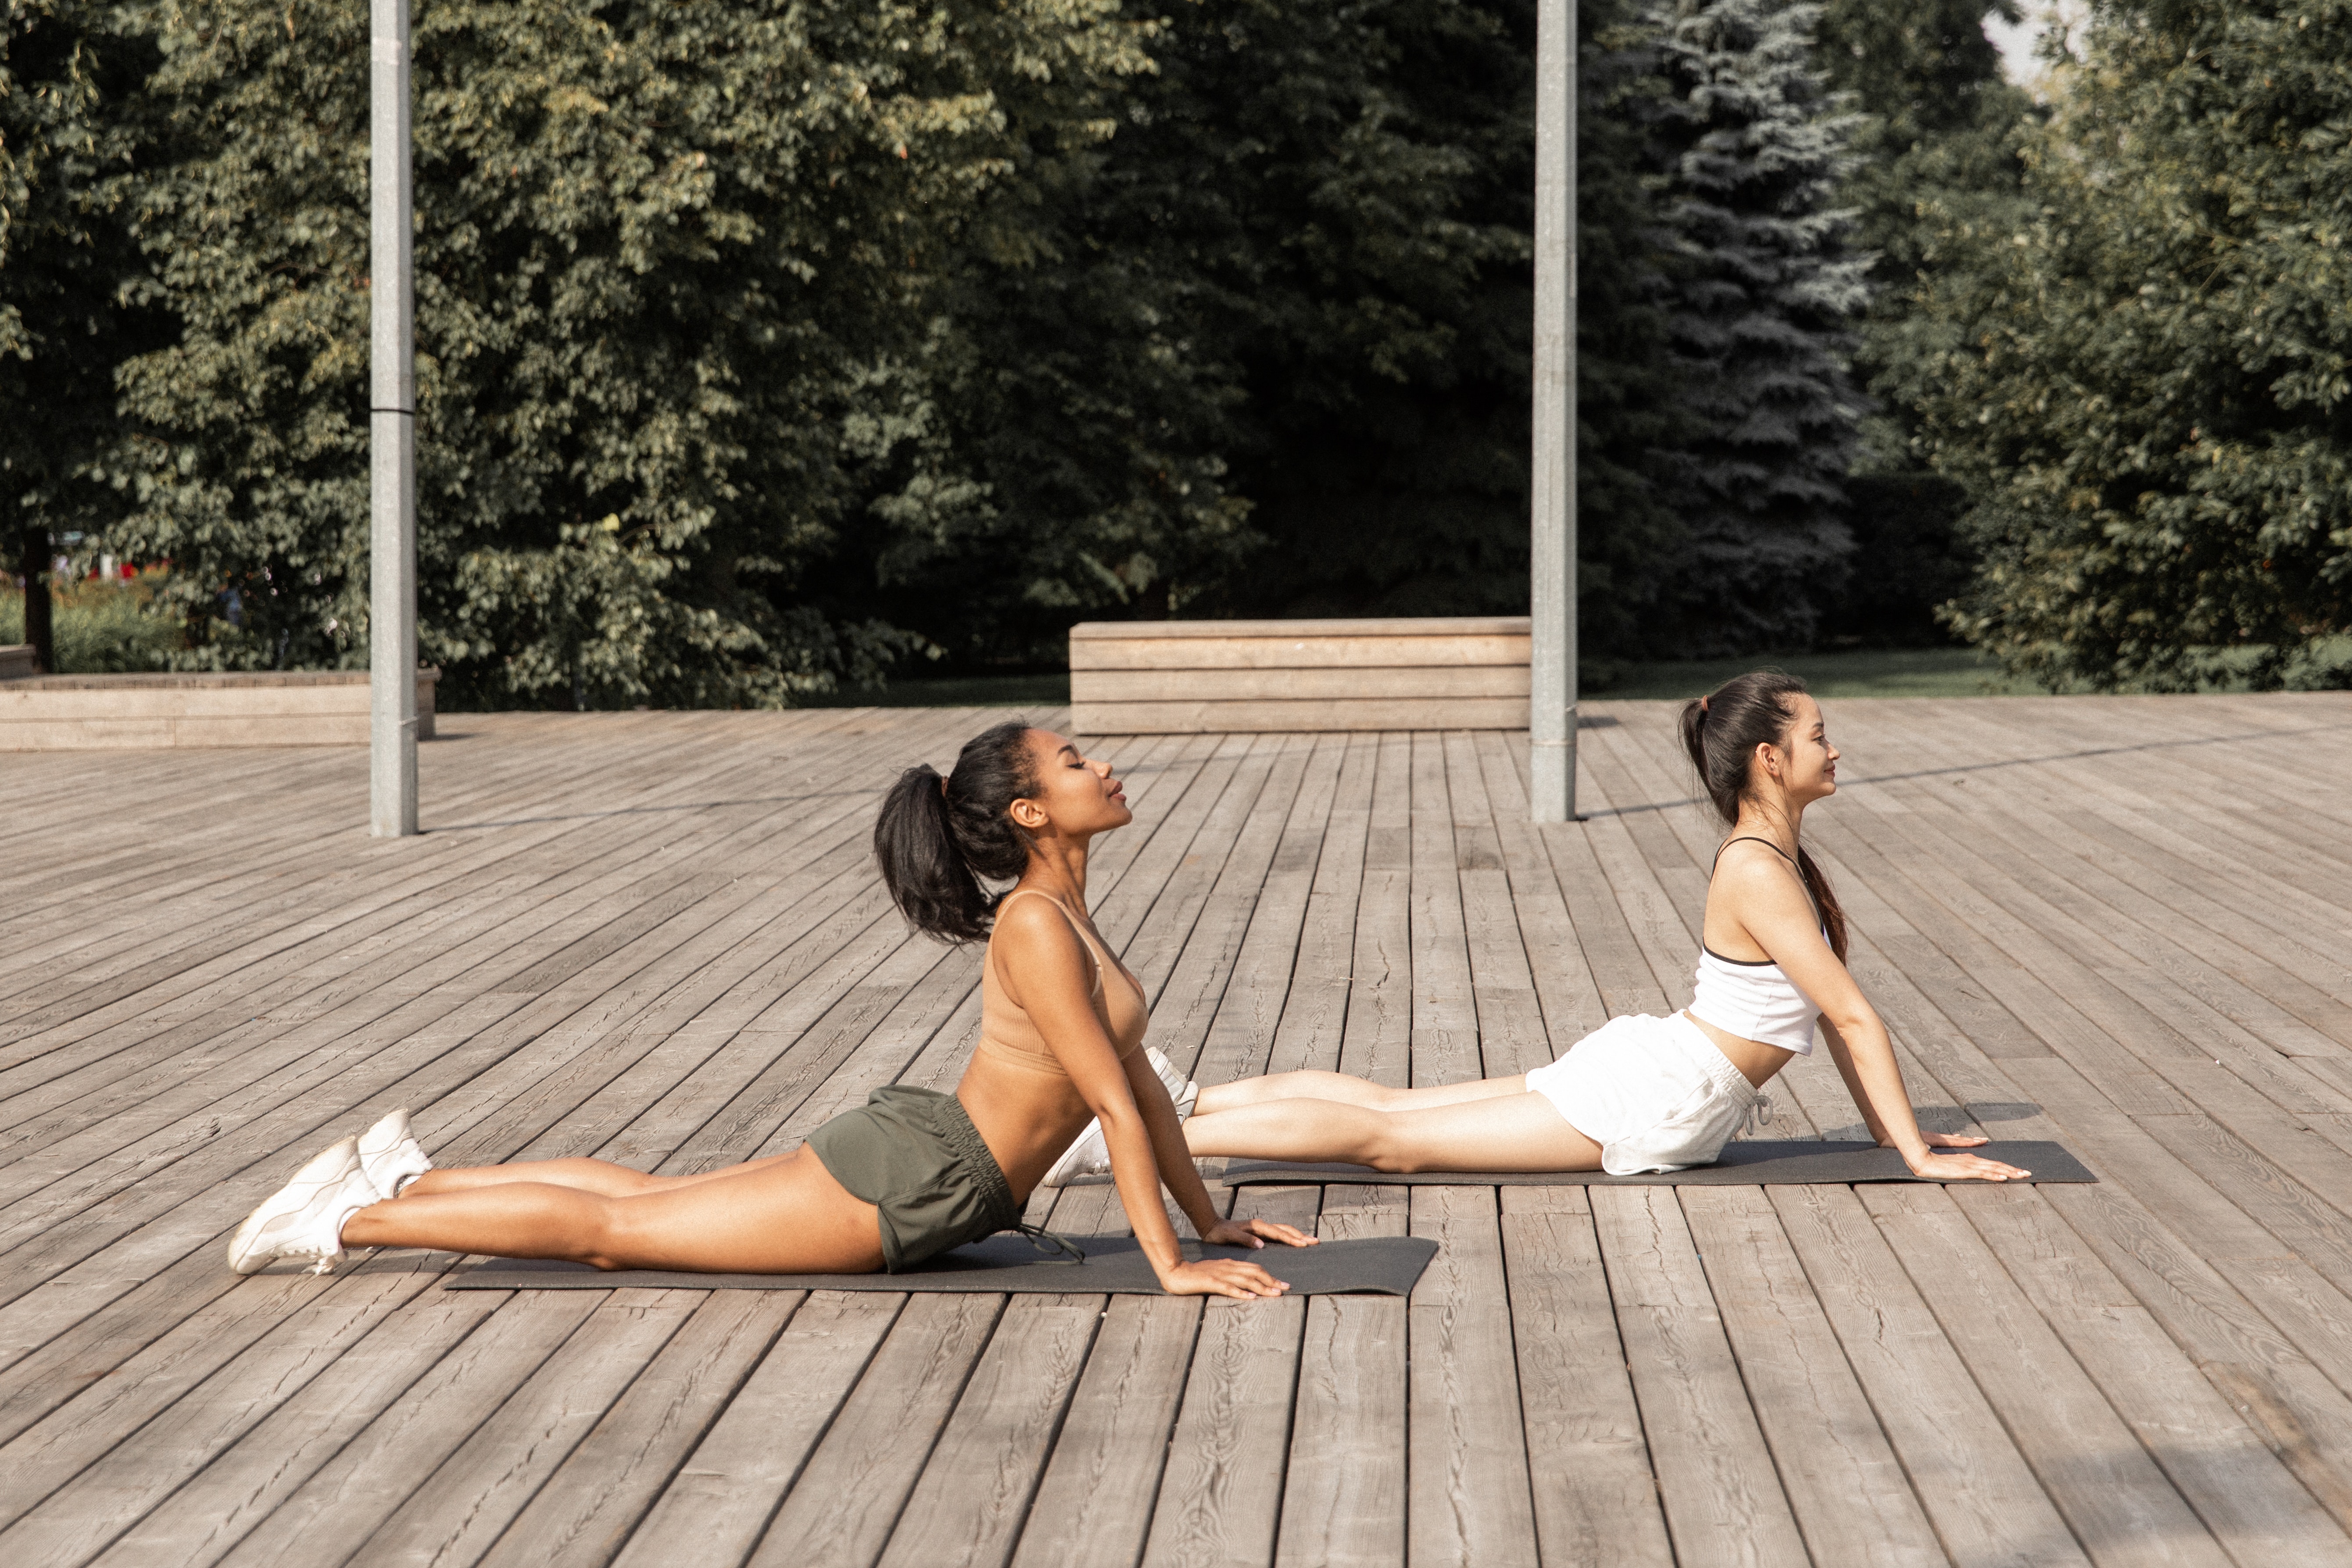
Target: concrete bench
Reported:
point(268, 708)
point(1161, 677)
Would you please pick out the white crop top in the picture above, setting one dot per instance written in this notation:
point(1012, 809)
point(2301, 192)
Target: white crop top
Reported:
point(1753, 1001)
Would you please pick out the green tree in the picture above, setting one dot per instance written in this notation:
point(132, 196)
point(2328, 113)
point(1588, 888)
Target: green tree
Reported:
point(66, 260)
point(1937, 137)
point(2146, 381)
point(677, 268)
point(1261, 350)
point(1760, 322)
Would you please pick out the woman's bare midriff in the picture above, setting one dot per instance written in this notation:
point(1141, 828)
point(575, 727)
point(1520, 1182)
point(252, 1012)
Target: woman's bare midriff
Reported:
point(1755, 1060)
point(1026, 1119)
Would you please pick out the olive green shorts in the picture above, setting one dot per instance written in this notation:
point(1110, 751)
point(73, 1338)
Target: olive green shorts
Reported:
point(915, 1155)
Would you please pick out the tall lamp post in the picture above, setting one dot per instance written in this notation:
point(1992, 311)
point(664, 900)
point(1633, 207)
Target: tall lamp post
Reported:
point(1551, 716)
point(391, 432)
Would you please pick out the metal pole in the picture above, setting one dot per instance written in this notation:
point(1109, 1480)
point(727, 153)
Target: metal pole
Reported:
point(1551, 600)
point(391, 432)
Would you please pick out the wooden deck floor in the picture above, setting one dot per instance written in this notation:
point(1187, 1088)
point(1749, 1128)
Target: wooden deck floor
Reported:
point(2122, 923)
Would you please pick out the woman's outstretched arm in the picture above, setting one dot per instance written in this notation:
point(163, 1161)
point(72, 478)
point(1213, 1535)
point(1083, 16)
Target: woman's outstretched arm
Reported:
point(1773, 908)
point(1182, 1179)
point(1049, 974)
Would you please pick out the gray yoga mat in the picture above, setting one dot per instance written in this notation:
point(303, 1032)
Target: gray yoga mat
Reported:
point(1754, 1163)
point(1115, 1266)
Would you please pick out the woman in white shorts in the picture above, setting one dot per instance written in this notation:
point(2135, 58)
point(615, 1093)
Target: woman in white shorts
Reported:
point(1643, 1093)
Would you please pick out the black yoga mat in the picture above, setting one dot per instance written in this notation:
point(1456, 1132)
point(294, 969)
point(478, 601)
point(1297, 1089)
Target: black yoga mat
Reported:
point(1759, 1162)
point(1115, 1266)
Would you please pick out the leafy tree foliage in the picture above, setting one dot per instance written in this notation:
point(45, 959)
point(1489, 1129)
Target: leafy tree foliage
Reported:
point(2148, 379)
point(63, 261)
point(674, 268)
point(1936, 137)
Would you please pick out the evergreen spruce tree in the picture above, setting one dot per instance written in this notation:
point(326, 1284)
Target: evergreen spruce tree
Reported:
point(2145, 381)
point(1762, 320)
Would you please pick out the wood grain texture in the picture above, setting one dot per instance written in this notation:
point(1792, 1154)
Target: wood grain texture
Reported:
point(2120, 923)
point(1723, 1501)
point(1596, 1497)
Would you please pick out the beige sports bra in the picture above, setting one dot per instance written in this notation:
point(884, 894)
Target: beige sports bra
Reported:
point(1006, 1032)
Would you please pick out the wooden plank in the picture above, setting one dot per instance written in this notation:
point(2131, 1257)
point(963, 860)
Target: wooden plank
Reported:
point(2122, 1506)
point(2251, 1502)
point(1378, 1041)
point(1263, 715)
point(1343, 1497)
point(968, 1508)
point(1094, 1503)
point(595, 1498)
point(1983, 1498)
point(1596, 1500)
point(1469, 1501)
point(847, 1499)
point(349, 1498)
point(464, 1506)
point(1091, 690)
point(1313, 1027)
point(1221, 1490)
point(119, 1473)
point(201, 1521)
point(1848, 1492)
point(1444, 1011)
point(1566, 990)
point(1723, 1501)
point(716, 1508)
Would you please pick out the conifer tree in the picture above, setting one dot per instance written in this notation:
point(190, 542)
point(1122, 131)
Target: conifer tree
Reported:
point(1765, 292)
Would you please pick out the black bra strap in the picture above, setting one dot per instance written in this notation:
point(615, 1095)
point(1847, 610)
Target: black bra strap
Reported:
point(1783, 854)
point(1751, 838)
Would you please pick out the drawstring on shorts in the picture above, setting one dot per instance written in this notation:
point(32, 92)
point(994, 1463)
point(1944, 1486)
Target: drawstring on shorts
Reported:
point(1046, 1242)
point(1760, 1113)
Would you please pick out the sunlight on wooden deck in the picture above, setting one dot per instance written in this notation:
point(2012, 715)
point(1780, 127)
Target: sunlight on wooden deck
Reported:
point(2122, 923)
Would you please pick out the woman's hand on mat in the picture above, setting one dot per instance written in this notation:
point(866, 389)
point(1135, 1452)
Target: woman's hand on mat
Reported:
point(1962, 1168)
point(1248, 1232)
point(1950, 1139)
point(1221, 1276)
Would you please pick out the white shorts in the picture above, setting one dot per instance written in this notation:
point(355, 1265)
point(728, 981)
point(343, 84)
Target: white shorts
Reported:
point(1655, 1093)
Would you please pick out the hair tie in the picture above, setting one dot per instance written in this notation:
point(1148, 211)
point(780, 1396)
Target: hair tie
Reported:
point(943, 786)
point(1702, 704)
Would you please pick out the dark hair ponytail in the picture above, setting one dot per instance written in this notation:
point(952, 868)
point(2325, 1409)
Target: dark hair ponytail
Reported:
point(937, 838)
point(1721, 732)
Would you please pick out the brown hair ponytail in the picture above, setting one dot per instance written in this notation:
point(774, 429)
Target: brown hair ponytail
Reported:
point(939, 841)
point(1721, 732)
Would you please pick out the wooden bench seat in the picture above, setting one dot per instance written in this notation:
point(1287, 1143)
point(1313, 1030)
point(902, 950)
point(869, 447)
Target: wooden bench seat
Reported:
point(1159, 677)
point(263, 708)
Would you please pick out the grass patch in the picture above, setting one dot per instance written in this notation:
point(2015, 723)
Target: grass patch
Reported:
point(101, 627)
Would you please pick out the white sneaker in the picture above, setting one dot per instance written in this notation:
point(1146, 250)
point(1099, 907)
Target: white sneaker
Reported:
point(1090, 1156)
point(305, 1218)
point(392, 1156)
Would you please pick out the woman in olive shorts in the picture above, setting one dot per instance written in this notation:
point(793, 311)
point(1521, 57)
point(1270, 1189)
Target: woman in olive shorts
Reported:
point(913, 1172)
